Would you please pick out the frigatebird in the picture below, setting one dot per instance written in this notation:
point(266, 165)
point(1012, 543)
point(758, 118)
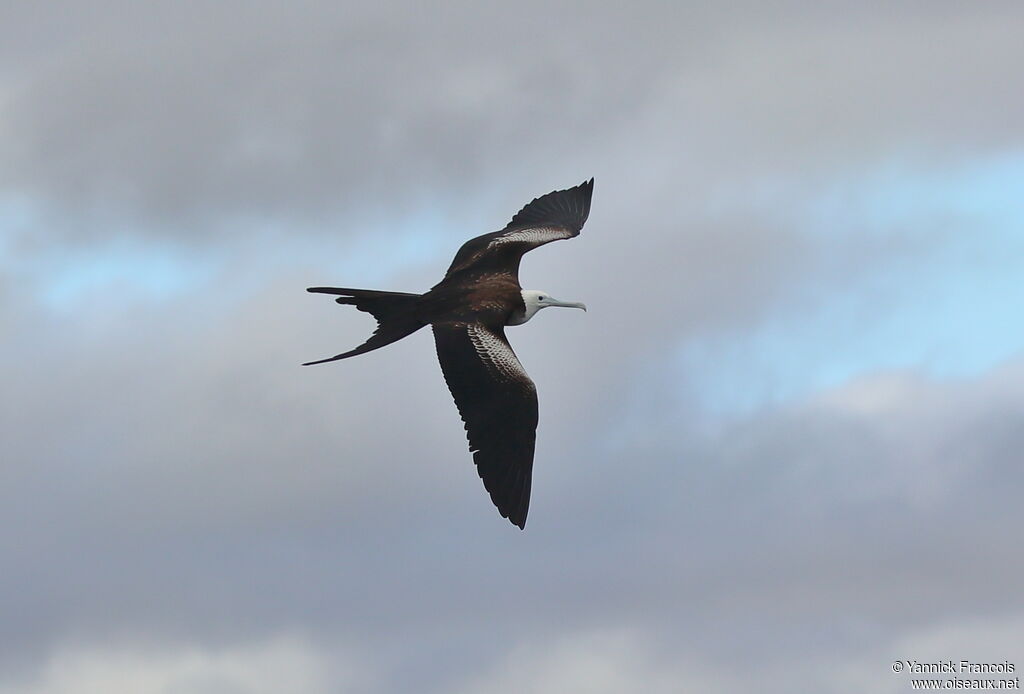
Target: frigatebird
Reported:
point(468, 311)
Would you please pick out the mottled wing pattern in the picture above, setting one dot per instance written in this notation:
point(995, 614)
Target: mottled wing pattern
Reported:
point(498, 403)
point(558, 215)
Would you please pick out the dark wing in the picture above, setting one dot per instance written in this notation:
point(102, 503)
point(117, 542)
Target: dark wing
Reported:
point(498, 403)
point(552, 217)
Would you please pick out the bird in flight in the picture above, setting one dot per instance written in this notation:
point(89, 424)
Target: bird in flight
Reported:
point(468, 311)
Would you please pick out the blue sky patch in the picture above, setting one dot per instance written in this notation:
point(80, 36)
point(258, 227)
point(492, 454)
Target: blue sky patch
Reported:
point(949, 304)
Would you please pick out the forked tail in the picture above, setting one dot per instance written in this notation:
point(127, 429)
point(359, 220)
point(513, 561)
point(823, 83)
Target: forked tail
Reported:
point(395, 313)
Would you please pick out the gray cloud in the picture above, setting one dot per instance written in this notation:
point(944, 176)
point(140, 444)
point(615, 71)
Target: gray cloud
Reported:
point(243, 495)
point(178, 116)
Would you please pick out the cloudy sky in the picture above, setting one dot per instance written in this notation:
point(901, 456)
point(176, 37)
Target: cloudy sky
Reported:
point(780, 451)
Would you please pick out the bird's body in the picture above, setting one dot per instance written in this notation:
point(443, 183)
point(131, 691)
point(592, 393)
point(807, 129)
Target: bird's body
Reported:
point(475, 297)
point(468, 311)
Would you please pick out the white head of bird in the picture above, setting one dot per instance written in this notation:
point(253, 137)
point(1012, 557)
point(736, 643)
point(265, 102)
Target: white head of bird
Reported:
point(535, 300)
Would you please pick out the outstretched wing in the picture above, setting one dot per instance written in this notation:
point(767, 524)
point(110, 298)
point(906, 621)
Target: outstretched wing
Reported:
point(552, 217)
point(498, 403)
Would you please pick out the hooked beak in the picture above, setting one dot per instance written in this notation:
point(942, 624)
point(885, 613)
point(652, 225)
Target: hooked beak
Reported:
point(567, 304)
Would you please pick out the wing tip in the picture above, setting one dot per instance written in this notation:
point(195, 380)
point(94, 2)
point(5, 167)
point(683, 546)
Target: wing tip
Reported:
point(513, 517)
point(568, 207)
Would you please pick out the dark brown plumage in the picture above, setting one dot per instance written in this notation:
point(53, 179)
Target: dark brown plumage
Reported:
point(468, 311)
